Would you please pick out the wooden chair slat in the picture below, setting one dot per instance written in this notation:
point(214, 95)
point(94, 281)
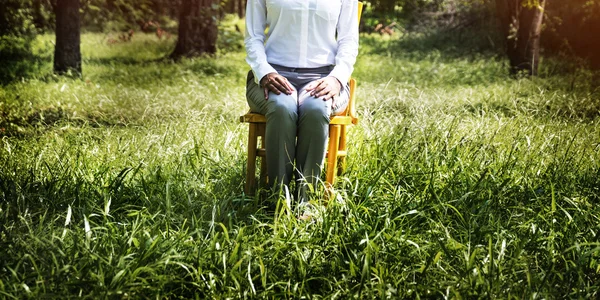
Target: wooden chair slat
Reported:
point(253, 118)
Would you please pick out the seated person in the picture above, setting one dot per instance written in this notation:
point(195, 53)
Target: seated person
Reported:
point(299, 78)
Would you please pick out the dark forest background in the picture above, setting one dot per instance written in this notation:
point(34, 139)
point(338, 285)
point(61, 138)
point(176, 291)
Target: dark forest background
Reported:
point(469, 175)
point(569, 29)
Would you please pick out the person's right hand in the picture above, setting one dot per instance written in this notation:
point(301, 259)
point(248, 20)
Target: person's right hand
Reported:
point(275, 83)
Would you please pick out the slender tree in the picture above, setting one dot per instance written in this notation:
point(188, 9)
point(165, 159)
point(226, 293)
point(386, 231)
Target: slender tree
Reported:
point(197, 28)
point(233, 7)
point(229, 6)
point(241, 9)
point(67, 53)
point(521, 22)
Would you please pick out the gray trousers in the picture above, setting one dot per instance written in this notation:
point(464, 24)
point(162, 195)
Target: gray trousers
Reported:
point(297, 125)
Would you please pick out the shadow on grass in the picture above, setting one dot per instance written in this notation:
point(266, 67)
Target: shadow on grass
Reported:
point(120, 60)
point(178, 194)
point(129, 71)
point(436, 59)
point(451, 44)
point(25, 66)
point(44, 119)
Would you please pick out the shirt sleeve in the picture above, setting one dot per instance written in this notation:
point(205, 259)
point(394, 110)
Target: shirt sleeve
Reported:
point(347, 40)
point(254, 39)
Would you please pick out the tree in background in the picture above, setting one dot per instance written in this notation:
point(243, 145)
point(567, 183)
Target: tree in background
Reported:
point(67, 53)
point(124, 15)
point(234, 7)
point(198, 29)
point(521, 25)
point(572, 28)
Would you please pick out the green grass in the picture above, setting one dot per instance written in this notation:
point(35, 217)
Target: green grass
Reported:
point(461, 182)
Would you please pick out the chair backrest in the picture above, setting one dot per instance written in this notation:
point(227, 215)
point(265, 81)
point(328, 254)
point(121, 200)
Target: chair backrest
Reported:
point(350, 110)
point(360, 7)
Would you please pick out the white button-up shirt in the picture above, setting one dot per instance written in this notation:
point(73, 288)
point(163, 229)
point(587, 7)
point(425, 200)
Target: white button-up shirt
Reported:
point(302, 34)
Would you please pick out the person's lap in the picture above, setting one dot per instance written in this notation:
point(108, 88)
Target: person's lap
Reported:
point(297, 127)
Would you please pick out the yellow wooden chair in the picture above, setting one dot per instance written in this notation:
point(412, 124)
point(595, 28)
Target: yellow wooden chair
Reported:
point(336, 150)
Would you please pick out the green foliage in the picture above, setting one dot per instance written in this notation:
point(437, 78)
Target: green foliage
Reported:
point(428, 15)
point(16, 18)
point(461, 182)
point(572, 28)
point(19, 59)
point(111, 15)
point(121, 15)
point(231, 34)
point(17, 33)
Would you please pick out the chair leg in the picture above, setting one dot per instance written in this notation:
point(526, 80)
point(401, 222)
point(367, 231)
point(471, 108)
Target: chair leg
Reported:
point(342, 159)
point(334, 143)
point(264, 178)
point(251, 163)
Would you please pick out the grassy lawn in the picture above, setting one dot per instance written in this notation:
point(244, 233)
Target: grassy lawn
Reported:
point(461, 181)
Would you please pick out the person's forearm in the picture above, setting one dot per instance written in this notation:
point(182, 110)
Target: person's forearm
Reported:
point(254, 39)
point(347, 30)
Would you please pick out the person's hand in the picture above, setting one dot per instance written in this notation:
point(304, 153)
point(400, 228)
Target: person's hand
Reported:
point(327, 87)
point(275, 83)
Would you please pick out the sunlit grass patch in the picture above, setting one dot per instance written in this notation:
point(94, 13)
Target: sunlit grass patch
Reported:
point(461, 182)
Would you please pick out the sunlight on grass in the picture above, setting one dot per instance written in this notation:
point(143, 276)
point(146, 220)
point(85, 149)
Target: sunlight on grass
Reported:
point(461, 182)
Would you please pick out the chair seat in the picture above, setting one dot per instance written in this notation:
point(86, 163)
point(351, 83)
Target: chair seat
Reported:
point(251, 117)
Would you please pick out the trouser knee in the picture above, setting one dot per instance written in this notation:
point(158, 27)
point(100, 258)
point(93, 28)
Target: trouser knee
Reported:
point(315, 113)
point(282, 108)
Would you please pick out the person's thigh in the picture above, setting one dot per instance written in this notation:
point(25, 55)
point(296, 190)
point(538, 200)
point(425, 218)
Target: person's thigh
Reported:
point(333, 107)
point(283, 103)
point(316, 109)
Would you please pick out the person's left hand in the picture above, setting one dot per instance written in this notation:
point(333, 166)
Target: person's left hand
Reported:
point(327, 87)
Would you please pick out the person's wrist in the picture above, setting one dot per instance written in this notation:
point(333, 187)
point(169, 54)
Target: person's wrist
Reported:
point(263, 80)
point(338, 82)
point(266, 78)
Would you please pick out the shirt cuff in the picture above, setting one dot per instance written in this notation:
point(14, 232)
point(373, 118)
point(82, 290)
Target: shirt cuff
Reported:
point(340, 74)
point(261, 71)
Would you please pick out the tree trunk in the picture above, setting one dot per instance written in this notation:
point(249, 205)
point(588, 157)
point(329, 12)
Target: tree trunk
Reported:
point(521, 25)
point(110, 5)
point(241, 8)
point(528, 40)
point(234, 7)
point(230, 6)
point(197, 28)
point(67, 54)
